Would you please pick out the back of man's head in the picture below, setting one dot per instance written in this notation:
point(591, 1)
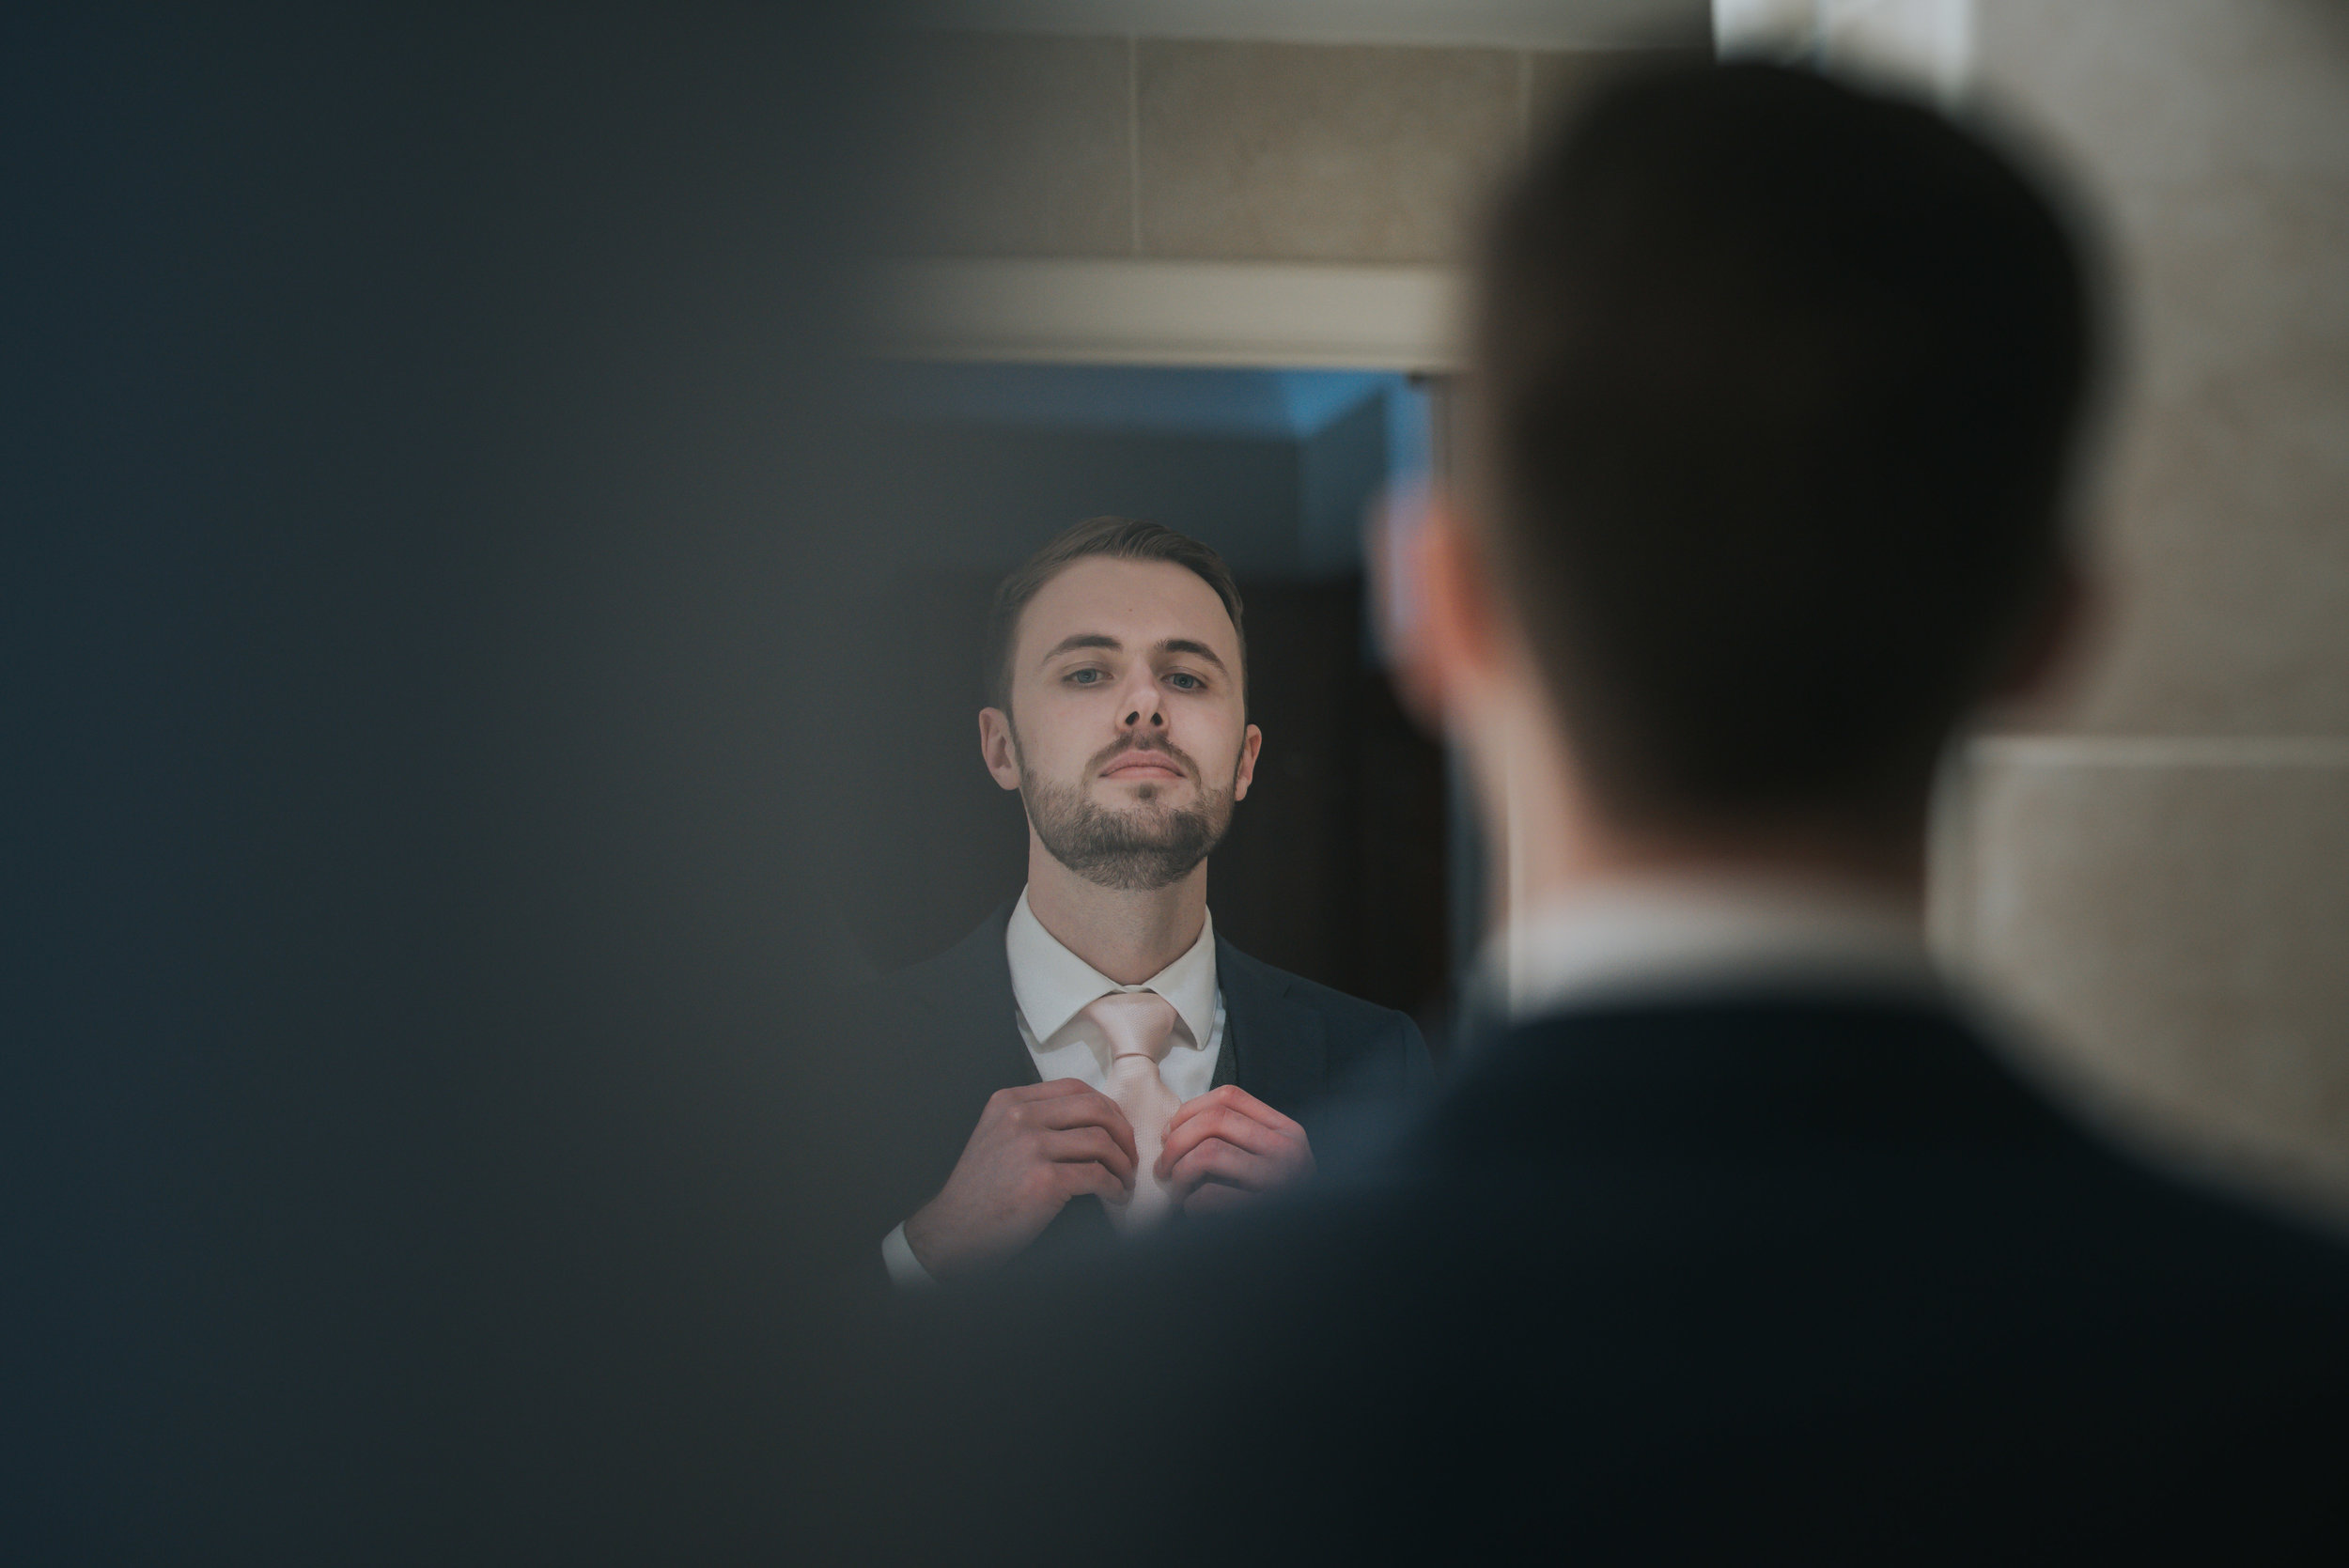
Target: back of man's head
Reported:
point(1778, 384)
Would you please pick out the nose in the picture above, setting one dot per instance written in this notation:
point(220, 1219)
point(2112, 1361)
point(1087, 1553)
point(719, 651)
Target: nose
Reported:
point(1139, 704)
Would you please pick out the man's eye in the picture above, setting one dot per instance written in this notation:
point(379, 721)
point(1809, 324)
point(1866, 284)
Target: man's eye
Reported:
point(1184, 681)
point(1085, 677)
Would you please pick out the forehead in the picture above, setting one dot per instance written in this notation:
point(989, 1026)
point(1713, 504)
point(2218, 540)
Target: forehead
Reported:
point(1137, 602)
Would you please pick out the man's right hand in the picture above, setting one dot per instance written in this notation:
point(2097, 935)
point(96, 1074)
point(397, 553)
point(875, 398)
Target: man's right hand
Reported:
point(1035, 1148)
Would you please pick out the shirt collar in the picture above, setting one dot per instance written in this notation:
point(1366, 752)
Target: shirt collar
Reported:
point(1051, 984)
point(1685, 934)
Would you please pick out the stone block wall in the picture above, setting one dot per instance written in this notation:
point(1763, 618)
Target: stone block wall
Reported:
point(1035, 145)
point(2158, 871)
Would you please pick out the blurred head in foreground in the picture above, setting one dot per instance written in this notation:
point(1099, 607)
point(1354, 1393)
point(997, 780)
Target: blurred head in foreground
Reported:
point(1777, 388)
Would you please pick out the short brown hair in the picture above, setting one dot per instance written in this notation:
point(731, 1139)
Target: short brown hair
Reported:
point(1778, 385)
point(1118, 540)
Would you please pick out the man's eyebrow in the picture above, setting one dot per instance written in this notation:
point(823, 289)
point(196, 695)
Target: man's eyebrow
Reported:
point(1081, 640)
point(1103, 639)
point(1183, 645)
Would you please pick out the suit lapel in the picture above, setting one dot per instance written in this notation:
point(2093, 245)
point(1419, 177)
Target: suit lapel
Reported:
point(1273, 1044)
point(969, 994)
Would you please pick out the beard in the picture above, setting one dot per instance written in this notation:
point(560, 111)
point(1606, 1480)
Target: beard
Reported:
point(1147, 845)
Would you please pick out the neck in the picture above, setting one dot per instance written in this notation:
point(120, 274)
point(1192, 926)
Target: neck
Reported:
point(1887, 867)
point(1561, 843)
point(1129, 934)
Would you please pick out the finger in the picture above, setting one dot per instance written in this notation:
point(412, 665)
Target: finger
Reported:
point(1214, 1197)
point(1078, 1144)
point(1216, 1160)
point(1231, 1096)
point(1077, 1178)
point(1051, 1089)
point(1007, 1102)
point(1219, 1121)
point(1221, 1097)
point(1091, 1108)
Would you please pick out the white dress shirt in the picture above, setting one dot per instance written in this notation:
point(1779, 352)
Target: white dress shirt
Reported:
point(1051, 987)
point(1659, 938)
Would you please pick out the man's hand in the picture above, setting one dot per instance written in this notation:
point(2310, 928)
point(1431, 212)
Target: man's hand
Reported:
point(1227, 1146)
point(1035, 1148)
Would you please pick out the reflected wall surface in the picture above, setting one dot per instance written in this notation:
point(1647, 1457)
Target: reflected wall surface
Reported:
point(2147, 870)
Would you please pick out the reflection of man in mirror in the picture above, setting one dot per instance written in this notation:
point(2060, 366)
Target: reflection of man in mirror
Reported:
point(1094, 1051)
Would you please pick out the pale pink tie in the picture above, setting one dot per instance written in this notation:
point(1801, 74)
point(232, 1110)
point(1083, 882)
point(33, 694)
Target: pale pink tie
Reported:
point(1138, 1025)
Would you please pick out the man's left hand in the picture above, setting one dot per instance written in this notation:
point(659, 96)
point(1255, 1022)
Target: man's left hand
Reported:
point(1226, 1147)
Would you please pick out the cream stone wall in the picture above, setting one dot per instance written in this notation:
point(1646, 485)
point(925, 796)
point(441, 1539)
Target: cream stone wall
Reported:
point(1300, 200)
point(1206, 149)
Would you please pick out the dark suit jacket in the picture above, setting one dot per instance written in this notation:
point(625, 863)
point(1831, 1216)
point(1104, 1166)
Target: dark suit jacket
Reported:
point(945, 1034)
point(1769, 1277)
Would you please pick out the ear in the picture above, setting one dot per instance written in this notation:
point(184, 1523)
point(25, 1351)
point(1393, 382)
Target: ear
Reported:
point(999, 748)
point(1250, 745)
point(1448, 644)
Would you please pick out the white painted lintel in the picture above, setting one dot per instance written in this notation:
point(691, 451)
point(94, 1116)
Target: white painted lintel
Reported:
point(1141, 312)
point(2160, 751)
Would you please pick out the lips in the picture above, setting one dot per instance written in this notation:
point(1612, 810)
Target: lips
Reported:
point(1139, 766)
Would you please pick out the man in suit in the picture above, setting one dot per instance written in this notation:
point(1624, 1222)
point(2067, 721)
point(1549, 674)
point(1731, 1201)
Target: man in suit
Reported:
point(1094, 1056)
point(1740, 1238)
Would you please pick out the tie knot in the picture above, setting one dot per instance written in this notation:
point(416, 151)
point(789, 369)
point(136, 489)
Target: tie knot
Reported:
point(1135, 1023)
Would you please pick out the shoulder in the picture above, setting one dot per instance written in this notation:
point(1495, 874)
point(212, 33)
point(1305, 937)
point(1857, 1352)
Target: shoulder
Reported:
point(1336, 1006)
point(973, 968)
point(1351, 1027)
